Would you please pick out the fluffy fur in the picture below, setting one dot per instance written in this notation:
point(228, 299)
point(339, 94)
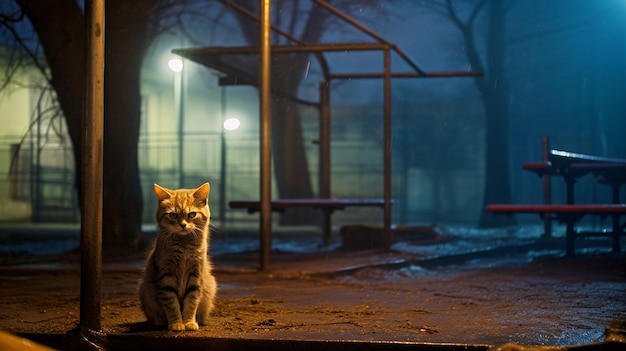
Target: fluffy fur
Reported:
point(178, 288)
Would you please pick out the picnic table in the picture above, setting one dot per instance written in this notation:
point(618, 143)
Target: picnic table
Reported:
point(571, 166)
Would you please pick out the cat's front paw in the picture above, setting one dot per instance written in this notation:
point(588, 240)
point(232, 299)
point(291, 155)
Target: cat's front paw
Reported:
point(191, 326)
point(177, 326)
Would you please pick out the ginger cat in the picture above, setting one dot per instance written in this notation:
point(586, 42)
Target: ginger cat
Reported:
point(178, 288)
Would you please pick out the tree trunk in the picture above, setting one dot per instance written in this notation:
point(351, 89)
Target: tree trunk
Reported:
point(60, 26)
point(495, 91)
point(127, 40)
point(290, 163)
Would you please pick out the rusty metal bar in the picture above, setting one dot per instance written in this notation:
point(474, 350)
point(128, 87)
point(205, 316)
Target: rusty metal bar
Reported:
point(387, 155)
point(324, 141)
point(92, 158)
point(324, 156)
point(371, 33)
point(266, 137)
point(320, 58)
point(445, 74)
point(200, 55)
point(309, 48)
point(253, 16)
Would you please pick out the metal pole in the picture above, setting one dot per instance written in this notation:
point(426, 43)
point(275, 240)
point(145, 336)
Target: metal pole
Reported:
point(324, 136)
point(369, 32)
point(180, 105)
point(223, 159)
point(92, 158)
point(324, 158)
point(387, 157)
point(547, 188)
point(266, 137)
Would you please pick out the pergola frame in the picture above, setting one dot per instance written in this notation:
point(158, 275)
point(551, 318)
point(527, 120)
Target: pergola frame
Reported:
point(88, 333)
point(206, 56)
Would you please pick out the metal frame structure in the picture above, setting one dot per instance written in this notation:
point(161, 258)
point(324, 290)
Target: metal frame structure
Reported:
point(88, 334)
point(210, 57)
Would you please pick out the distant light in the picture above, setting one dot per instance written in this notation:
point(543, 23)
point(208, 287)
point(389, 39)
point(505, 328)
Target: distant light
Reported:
point(232, 123)
point(175, 64)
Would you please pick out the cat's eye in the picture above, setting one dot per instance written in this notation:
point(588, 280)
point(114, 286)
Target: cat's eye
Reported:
point(173, 215)
point(191, 215)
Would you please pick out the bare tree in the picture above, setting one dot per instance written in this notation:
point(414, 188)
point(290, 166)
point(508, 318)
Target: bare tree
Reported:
point(493, 87)
point(58, 35)
point(59, 27)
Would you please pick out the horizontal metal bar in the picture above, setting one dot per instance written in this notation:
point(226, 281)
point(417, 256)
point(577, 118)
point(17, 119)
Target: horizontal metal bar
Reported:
point(238, 50)
point(444, 74)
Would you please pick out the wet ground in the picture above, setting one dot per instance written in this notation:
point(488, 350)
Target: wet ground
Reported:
point(461, 286)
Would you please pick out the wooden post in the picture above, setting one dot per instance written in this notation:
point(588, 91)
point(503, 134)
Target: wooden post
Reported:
point(92, 158)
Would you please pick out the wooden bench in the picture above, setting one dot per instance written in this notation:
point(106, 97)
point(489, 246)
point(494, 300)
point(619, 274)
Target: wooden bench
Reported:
point(328, 206)
point(570, 214)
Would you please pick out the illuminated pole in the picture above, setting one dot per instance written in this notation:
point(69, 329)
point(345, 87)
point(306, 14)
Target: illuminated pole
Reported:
point(228, 124)
point(177, 66)
point(91, 172)
point(266, 150)
point(387, 156)
point(223, 160)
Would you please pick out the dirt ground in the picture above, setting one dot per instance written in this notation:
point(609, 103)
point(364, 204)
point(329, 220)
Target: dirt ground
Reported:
point(346, 295)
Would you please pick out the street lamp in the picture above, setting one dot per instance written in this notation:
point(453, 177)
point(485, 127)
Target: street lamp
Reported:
point(176, 65)
point(228, 124)
point(231, 123)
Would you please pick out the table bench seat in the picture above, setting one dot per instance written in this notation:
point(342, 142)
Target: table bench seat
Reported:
point(600, 209)
point(328, 206)
point(570, 214)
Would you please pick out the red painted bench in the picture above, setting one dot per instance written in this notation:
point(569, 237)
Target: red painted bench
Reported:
point(328, 206)
point(570, 214)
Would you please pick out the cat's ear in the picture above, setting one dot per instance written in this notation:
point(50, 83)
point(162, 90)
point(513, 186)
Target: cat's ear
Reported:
point(161, 193)
point(202, 193)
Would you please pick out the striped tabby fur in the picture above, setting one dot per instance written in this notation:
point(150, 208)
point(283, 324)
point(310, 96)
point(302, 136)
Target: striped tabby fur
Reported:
point(178, 288)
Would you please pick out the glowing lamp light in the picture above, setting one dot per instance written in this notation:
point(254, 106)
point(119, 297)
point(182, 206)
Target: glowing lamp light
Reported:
point(231, 123)
point(175, 64)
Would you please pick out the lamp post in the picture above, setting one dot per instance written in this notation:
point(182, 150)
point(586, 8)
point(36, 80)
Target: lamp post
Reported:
point(176, 65)
point(228, 124)
point(223, 160)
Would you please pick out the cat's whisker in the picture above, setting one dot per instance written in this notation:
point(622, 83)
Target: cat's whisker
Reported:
point(195, 234)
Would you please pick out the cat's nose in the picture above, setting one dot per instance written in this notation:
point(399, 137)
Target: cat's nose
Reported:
point(183, 225)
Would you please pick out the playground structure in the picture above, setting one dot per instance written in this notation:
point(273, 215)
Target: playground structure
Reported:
point(217, 59)
point(89, 329)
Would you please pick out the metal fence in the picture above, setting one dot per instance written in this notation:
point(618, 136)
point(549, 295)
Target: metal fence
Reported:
point(38, 182)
